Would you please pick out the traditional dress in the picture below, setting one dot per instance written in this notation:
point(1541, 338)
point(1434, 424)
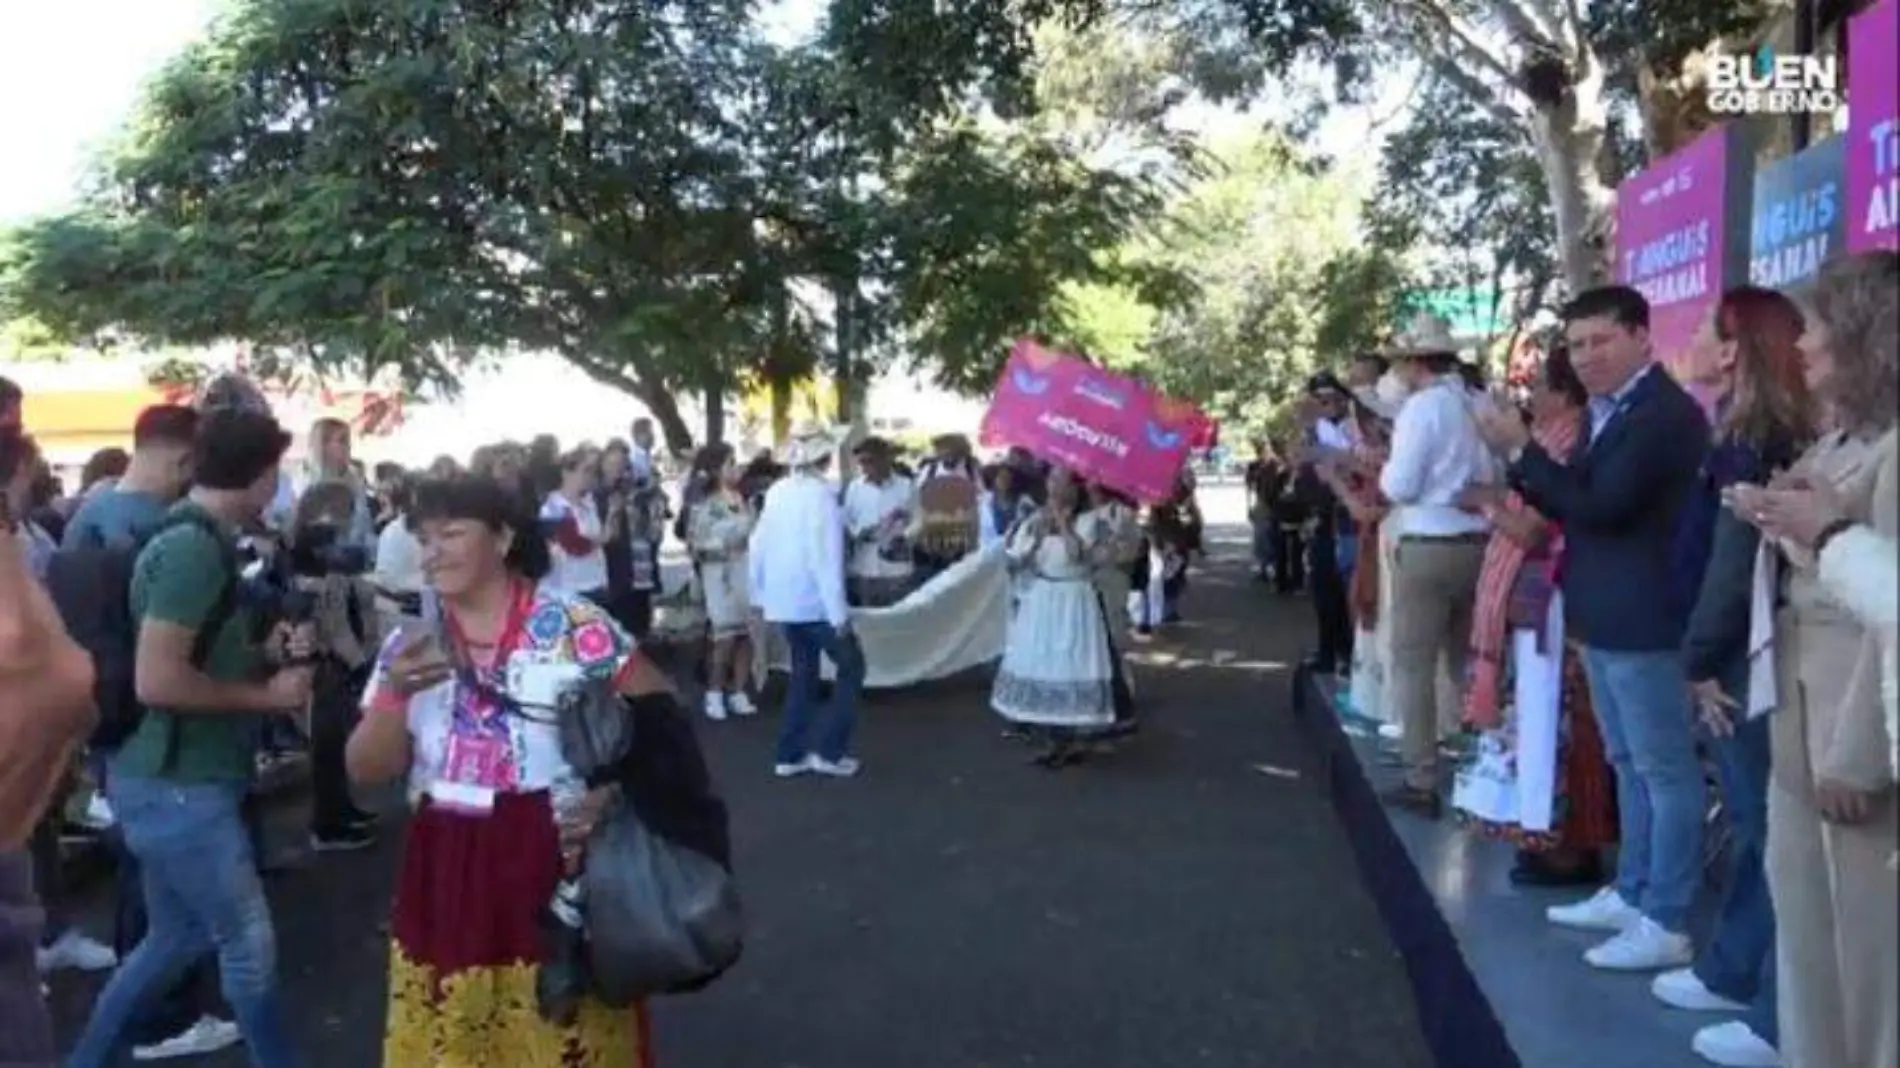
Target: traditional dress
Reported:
point(483, 857)
point(1058, 667)
point(717, 528)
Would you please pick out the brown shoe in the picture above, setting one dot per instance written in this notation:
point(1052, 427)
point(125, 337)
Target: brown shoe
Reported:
point(1414, 799)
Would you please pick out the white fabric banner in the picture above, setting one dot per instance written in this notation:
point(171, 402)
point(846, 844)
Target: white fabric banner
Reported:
point(954, 622)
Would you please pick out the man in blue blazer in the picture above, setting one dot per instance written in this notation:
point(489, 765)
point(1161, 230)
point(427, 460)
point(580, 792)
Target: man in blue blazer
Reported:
point(1617, 499)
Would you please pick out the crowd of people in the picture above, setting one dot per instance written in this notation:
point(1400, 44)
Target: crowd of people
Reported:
point(232, 604)
point(1615, 623)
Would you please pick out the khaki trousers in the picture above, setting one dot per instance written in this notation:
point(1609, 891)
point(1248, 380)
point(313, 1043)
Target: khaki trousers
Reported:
point(1434, 588)
point(1837, 939)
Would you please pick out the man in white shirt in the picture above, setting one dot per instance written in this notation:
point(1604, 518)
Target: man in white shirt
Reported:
point(796, 567)
point(1437, 454)
point(879, 505)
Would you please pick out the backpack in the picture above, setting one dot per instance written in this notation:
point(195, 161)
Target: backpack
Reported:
point(91, 586)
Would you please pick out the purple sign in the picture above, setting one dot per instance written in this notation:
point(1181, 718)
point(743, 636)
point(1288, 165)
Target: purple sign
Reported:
point(1673, 242)
point(1873, 139)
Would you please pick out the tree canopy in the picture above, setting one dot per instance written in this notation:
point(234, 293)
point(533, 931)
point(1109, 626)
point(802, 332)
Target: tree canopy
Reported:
point(360, 186)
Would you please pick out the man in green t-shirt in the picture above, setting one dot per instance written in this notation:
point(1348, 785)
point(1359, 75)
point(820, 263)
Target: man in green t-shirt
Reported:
point(178, 783)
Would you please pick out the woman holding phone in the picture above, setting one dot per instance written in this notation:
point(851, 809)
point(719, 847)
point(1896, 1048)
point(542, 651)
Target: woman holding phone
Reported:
point(489, 840)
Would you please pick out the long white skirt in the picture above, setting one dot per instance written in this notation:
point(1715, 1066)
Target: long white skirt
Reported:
point(1057, 669)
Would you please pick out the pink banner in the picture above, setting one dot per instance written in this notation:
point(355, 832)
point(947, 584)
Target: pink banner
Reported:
point(1671, 243)
point(1873, 138)
point(1106, 427)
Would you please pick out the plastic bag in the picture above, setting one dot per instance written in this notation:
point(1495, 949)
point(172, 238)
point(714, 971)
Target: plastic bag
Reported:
point(596, 727)
point(661, 918)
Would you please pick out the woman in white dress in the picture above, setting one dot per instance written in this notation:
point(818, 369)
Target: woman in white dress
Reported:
point(1057, 675)
point(717, 526)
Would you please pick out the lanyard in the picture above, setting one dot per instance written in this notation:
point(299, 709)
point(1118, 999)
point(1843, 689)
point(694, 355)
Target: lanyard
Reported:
point(468, 677)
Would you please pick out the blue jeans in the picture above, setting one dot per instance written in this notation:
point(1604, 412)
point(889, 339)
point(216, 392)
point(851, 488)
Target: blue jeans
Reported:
point(1642, 703)
point(809, 642)
point(1739, 961)
point(202, 894)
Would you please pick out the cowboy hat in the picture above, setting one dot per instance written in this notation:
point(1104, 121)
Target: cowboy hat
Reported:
point(1368, 397)
point(810, 443)
point(1425, 335)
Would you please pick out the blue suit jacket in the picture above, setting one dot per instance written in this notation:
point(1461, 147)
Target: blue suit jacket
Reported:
point(1618, 500)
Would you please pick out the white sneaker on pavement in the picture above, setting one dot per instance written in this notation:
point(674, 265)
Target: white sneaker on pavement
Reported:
point(1735, 1045)
point(792, 770)
point(841, 768)
point(1604, 911)
point(741, 704)
point(715, 705)
point(1644, 946)
point(208, 1035)
point(1684, 989)
point(76, 951)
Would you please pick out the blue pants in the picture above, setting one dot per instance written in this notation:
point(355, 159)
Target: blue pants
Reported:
point(1739, 961)
point(1642, 703)
point(202, 895)
point(809, 643)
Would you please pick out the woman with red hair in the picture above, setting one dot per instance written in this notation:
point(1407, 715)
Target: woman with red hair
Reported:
point(1764, 419)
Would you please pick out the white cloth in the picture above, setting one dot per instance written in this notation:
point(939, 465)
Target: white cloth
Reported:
point(867, 507)
point(1333, 434)
point(1860, 567)
point(399, 559)
point(796, 556)
point(717, 530)
point(1538, 717)
point(583, 572)
point(1762, 693)
point(956, 621)
point(1437, 453)
point(640, 462)
point(1058, 665)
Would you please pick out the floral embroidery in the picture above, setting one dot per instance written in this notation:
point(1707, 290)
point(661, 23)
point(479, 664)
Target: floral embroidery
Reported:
point(594, 643)
point(547, 624)
point(479, 1017)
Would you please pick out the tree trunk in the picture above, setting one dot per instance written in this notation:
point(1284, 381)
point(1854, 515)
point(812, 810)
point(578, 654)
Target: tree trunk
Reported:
point(1570, 136)
point(781, 410)
point(715, 416)
point(666, 412)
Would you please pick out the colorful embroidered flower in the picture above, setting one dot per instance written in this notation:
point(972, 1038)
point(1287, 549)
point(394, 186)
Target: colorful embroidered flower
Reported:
point(594, 643)
point(547, 624)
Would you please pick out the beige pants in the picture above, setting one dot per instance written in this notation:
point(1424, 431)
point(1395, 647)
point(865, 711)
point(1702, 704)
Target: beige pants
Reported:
point(1434, 587)
point(1837, 941)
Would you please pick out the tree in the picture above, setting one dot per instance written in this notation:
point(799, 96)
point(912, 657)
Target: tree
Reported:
point(410, 185)
point(1561, 73)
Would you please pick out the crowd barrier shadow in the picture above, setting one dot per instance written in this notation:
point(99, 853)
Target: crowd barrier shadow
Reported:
point(1461, 1028)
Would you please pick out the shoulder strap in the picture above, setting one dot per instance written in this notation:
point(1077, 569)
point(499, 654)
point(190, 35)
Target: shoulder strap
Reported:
point(214, 622)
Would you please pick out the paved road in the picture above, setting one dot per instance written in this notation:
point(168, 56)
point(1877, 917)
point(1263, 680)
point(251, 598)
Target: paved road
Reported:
point(1188, 902)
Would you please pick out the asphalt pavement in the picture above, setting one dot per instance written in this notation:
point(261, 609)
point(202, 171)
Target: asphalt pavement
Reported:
point(1189, 901)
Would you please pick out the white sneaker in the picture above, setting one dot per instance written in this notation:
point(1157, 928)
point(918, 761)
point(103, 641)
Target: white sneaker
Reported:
point(76, 951)
point(99, 813)
point(1683, 989)
point(208, 1035)
point(715, 705)
point(1644, 947)
point(1735, 1045)
point(1604, 911)
point(792, 770)
point(741, 704)
point(841, 768)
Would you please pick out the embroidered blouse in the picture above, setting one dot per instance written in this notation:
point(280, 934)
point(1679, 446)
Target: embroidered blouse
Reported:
point(546, 626)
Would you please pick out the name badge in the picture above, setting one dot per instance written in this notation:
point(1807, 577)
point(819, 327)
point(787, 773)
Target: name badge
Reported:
point(462, 798)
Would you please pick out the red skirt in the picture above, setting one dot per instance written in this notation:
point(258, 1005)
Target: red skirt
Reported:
point(465, 945)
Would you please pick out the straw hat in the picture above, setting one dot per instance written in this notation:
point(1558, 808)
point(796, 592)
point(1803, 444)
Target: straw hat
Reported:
point(810, 444)
point(1425, 335)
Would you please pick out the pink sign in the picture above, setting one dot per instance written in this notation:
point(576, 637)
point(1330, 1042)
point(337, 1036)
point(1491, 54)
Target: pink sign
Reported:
point(1873, 138)
point(1671, 243)
point(1106, 427)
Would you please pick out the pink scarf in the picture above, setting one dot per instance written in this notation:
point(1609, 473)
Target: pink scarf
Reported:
point(1504, 557)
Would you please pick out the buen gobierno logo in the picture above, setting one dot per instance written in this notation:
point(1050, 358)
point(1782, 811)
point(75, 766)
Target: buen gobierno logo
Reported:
point(1770, 84)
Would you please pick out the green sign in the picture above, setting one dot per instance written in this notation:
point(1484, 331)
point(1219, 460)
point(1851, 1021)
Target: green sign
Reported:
point(1470, 314)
